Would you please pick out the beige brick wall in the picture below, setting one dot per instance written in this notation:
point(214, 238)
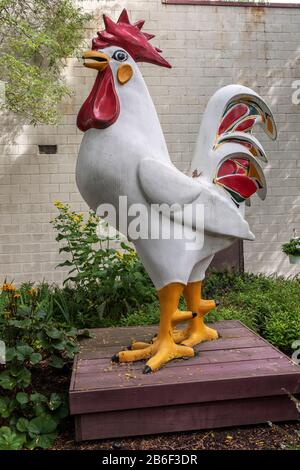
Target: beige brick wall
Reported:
point(209, 47)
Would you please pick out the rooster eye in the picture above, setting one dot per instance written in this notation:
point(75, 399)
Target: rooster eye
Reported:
point(121, 56)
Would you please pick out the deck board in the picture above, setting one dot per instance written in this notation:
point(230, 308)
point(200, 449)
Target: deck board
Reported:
point(228, 375)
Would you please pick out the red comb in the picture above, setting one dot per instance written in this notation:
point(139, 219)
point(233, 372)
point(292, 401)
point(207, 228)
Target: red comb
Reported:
point(129, 37)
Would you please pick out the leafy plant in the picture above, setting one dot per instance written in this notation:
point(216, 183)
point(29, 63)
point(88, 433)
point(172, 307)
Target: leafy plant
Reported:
point(292, 247)
point(36, 37)
point(269, 305)
point(9, 440)
point(33, 342)
point(283, 329)
point(106, 277)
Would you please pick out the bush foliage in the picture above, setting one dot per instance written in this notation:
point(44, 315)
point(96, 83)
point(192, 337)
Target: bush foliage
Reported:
point(34, 341)
point(35, 39)
point(268, 305)
point(292, 247)
point(106, 279)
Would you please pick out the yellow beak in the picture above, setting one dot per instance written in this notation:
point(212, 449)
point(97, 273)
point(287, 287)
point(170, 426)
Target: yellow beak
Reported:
point(99, 61)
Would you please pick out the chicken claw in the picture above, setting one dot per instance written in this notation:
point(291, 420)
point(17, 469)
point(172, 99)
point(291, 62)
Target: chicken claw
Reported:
point(160, 352)
point(164, 348)
point(178, 317)
point(199, 333)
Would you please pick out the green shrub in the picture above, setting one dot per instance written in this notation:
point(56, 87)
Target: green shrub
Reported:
point(292, 247)
point(106, 278)
point(34, 341)
point(233, 313)
point(148, 315)
point(36, 38)
point(267, 304)
point(282, 330)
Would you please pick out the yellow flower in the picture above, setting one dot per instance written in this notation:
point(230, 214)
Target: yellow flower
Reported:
point(120, 255)
point(17, 296)
point(58, 204)
point(8, 287)
point(32, 291)
point(77, 218)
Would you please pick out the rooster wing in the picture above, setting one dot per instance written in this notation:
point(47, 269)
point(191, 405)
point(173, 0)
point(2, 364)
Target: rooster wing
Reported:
point(163, 184)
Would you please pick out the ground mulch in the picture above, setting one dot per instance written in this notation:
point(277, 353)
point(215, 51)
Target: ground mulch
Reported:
point(262, 437)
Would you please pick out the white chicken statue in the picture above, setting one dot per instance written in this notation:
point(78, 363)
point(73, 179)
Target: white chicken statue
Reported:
point(124, 153)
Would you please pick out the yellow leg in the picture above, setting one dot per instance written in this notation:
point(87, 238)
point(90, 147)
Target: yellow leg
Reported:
point(197, 331)
point(178, 317)
point(164, 349)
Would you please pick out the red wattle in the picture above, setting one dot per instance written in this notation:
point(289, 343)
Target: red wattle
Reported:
point(102, 107)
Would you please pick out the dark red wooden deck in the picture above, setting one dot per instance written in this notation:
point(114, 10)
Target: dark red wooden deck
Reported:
point(239, 379)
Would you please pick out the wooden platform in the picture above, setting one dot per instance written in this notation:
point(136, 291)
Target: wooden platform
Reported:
point(239, 379)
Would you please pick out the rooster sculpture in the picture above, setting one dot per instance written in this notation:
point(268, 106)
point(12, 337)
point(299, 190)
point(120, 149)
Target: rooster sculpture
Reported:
point(124, 153)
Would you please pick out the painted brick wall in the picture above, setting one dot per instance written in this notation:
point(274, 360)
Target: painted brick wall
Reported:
point(209, 47)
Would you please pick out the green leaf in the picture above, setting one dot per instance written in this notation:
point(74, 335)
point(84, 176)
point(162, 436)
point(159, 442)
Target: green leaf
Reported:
point(22, 424)
point(85, 334)
point(56, 362)
point(10, 354)
point(45, 441)
point(59, 345)
point(21, 324)
point(62, 412)
point(43, 424)
point(53, 333)
point(35, 358)
point(55, 401)
point(4, 411)
point(101, 309)
point(7, 381)
point(59, 237)
point(24, 377)
point(24, 351)
point(22, 398)
point(38, 398)
point(10, 440)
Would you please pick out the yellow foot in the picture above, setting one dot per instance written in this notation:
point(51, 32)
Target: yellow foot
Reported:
point(178, 317)
point(165, 351)
point(136, 345)
point(200, 331)
point(203, 333)
point(160, 352)
point(180, 335)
